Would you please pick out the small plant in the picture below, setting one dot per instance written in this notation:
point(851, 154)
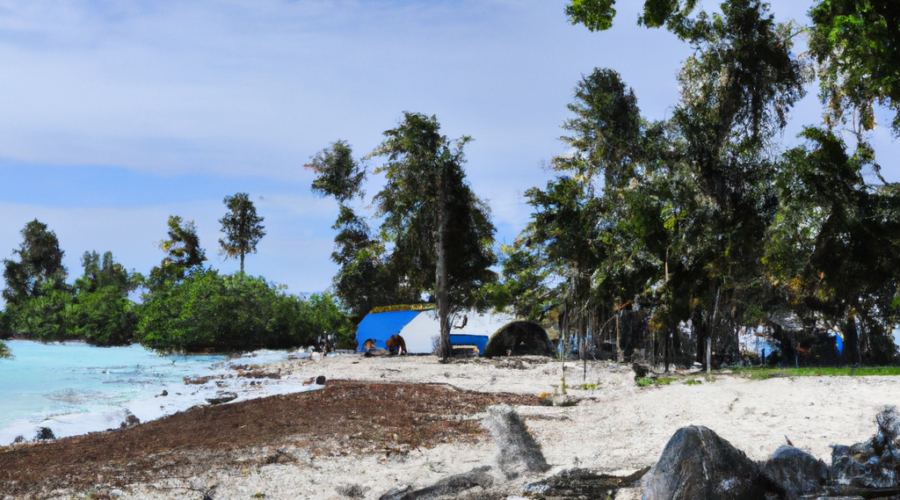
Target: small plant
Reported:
point(693, 381)
point(259, 495)
point(545, 399)
point(590, 387)
point(44, 434)
point(665, 380)
point(644, 382)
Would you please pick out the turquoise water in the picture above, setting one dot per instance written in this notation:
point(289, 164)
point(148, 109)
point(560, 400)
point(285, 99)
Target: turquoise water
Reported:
point(50, 379)
point(75, 388)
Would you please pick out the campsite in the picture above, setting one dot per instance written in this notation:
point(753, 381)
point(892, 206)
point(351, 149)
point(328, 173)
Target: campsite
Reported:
point(467, 249)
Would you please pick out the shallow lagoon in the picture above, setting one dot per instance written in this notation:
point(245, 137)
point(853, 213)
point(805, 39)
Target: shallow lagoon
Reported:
point(74, 388)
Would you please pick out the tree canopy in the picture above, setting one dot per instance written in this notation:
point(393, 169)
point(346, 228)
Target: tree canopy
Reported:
point(242, 227)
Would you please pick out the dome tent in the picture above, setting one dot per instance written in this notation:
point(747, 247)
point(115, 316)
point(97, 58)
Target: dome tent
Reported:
point(519, 338)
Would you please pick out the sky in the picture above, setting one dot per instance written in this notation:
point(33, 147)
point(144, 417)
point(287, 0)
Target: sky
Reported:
point(116, 114)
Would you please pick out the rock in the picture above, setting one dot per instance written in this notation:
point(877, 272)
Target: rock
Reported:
point(798, 472)
point(518, 452)
point(697, 464)
point(222, 397)
point(871, 464)
point(351, 490)
point(448, 486)
point(116, 493)
point(164, 393)
point(320, 380)
point(640, 371)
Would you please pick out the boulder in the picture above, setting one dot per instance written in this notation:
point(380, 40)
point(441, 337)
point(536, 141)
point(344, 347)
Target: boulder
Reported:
point(518, 452)
point(697, 464)
point(798, 472)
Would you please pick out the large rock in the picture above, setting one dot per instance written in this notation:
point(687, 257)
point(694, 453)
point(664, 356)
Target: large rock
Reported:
point(798, 472)
point(518, 452)
point(697, 464)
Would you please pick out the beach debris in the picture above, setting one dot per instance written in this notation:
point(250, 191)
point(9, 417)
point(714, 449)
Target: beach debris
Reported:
point(518, 452)
point(130, 421)
point(19, 439)
point(351, 490)
point(44, 434)
point(452, 485)
point(697, 464)
point(796, 471)
point(580, 483)
point(222, 397)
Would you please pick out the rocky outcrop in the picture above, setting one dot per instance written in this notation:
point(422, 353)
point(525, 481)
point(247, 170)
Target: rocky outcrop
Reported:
point(796, 471)
point(697, 464)
point(517, 452)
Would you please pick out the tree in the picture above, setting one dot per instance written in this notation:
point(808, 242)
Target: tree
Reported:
point(103, 314)
point(40, 262)
point(433, 218)
point(183, 252)
point(242, 227)
point(5, 353)
point(435, 236)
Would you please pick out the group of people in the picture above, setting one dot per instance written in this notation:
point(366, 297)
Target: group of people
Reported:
point(395, 345)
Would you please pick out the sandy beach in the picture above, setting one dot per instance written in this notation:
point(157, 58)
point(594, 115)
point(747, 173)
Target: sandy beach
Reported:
point(616, 427)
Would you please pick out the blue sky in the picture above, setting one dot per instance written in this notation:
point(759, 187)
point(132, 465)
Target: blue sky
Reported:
point(116, 114)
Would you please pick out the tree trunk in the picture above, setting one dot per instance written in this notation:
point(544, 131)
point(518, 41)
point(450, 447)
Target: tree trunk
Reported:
point(620, 355)
point(668, 334)
point(851, 341)
point(242, 262)
point(712, 325)
point(441, 281)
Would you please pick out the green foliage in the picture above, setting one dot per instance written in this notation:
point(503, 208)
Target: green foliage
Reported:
point(44, 434)
point(242, 227)
point(644, 382)
point(857, 46)
point(5, 352)
point(210, 312)
point(693, 381)
point(337, 173)
point(47, 316)
point(40, 262)
point(522, 287)
point(183, 252)
point(403, 307)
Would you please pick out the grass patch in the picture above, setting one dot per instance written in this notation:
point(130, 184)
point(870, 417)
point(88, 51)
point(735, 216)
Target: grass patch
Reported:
point(647, 382)
point(832, 371)
point(693, 381)
point(589, 387)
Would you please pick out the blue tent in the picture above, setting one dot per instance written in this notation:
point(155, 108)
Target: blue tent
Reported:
point(421, 329)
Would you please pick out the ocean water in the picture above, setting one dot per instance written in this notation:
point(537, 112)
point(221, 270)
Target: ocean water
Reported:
point(74, 388)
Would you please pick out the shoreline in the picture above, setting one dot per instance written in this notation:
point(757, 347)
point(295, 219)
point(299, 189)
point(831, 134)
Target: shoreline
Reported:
point(616, 427)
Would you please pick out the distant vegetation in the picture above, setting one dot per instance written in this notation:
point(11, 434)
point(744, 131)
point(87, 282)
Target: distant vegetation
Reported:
point(185, 306)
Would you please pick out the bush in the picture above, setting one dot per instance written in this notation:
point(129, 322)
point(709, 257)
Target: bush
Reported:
point(210, 312)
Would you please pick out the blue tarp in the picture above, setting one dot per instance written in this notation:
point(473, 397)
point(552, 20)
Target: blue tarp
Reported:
point(379, 327)
point(479, 341)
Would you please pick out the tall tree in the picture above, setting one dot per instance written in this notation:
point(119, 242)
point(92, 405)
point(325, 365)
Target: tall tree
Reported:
point(433, 218)
point(242, 227)
point(183, 252)
point(39, 263)
point(435, 236)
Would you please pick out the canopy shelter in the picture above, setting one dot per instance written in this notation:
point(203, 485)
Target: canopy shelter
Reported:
point(422, 329)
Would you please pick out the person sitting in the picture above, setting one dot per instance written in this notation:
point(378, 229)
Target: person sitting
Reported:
point(396, 345)
point(369, 346)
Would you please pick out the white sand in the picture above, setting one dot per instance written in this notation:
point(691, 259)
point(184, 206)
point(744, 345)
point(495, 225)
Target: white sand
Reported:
point(624, 429)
